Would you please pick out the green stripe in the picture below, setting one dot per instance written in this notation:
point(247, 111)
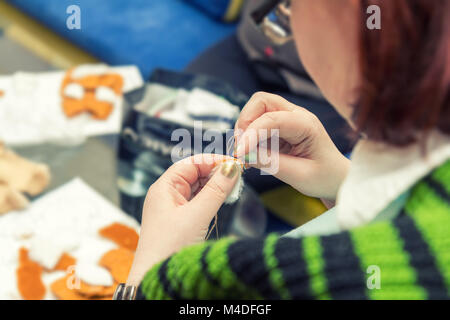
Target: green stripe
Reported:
point(184, 271)
point(275, 274)
point(380, 245)
point(151, 286)
point(312, 251)
point(432, 217)
point(219, 268)
point(442, 175)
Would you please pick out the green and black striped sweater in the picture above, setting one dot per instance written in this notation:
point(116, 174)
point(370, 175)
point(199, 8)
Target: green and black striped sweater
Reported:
point(411, 251)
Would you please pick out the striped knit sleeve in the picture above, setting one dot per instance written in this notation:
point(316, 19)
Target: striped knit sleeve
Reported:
point(407, 258)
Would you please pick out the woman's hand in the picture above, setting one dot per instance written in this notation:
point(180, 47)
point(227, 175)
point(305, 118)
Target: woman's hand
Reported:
point(179, 208)
point(308, 159)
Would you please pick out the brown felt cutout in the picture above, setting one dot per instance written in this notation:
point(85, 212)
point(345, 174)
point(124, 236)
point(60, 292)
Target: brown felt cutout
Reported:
point(86, 292)
point(118, 262)
point(29, 281)
point(122, 235)
point(64, 262)
point(89, 103)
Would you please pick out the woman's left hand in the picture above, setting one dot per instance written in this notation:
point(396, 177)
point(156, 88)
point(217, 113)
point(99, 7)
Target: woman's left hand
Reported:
point(179, 208)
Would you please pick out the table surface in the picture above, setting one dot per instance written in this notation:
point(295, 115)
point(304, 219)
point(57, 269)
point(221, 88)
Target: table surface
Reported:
point(94, 161)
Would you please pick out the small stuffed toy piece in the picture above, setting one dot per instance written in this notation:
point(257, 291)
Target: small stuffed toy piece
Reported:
point(239, 186)
point(19, 176)
point(90, 88)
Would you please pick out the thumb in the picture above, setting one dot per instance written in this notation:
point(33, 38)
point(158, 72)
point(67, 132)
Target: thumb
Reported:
point(208, 201)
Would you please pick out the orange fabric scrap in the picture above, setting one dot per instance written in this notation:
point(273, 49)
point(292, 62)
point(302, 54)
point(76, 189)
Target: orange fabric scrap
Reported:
point(122, 235)
point(64, 262)
point(29, 281)
point(118, 262)
point(89, 102)
point(62, 291)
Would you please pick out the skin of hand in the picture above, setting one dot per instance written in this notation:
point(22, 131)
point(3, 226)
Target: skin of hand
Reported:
point(308, 159)
point(179, 208)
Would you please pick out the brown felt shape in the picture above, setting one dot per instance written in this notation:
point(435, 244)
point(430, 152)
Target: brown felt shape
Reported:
point(29, 280)
point(122, 235)
point(118, 262)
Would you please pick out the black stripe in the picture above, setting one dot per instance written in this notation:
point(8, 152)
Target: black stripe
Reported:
point(162, 274)
point(204, 267)
point(428, 275)
point(289, 253)
point(438, 188)
point(140, 295)
point(345, 277)
point(246, 260)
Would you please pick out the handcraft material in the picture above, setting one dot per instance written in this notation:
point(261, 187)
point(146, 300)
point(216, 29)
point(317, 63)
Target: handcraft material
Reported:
point(122, 235)
point(118, 262)
point(94, 91)
point(17, 176)
point(29, 281)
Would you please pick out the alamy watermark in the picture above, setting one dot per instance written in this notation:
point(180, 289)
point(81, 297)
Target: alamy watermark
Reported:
point(73, 21)
point(373, 22)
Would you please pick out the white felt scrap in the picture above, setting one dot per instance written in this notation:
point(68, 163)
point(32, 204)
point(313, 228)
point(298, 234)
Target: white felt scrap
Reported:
point(94, 275)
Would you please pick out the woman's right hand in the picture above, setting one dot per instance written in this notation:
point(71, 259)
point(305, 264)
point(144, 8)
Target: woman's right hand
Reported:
point(308, 159)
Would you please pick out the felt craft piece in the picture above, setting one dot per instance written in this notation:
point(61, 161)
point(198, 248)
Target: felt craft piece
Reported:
point(29, 277)
point(65, 261)
point(238, 187)
point(118, 262)
point(11, 199)
point(93, 89)
point(121, 234)
point(62, 291)
point(47, 251)
point(21, 174)
point(94, 291)
point(94, 275)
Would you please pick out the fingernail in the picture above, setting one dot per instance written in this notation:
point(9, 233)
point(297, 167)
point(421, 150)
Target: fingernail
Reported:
point(229, 169)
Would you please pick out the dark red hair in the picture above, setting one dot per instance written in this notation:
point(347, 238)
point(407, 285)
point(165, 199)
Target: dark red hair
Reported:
point(406, 71)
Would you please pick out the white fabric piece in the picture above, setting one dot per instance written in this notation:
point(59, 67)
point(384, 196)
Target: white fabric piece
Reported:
point(74, 91)
point(189, 105)
point(106, 94)
point(46, 251)
point(200, 102)
point(237, 189)
point(379, 174)
point(93, 274)
point(67, 219)
point(31, 108)
point(89, 69)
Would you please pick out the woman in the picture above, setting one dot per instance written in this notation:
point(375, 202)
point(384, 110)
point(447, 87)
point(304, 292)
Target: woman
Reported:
point(392, 201)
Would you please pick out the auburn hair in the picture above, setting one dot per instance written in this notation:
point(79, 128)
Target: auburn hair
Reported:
point(405, 69)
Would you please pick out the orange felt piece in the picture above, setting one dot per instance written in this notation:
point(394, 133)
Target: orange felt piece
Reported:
point(100, 110)
point(122, 235)
point(118, 262)
point(29, 281)
point(64, 262)
point(72, 107)
point(91, 291)
point(62, 291)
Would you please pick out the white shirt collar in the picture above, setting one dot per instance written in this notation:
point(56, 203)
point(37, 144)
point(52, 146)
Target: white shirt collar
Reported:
point(380, 173)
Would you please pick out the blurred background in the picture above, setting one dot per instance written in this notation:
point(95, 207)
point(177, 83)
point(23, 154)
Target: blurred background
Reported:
point(151, 35)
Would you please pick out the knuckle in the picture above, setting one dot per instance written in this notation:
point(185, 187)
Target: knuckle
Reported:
point(259, 95)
